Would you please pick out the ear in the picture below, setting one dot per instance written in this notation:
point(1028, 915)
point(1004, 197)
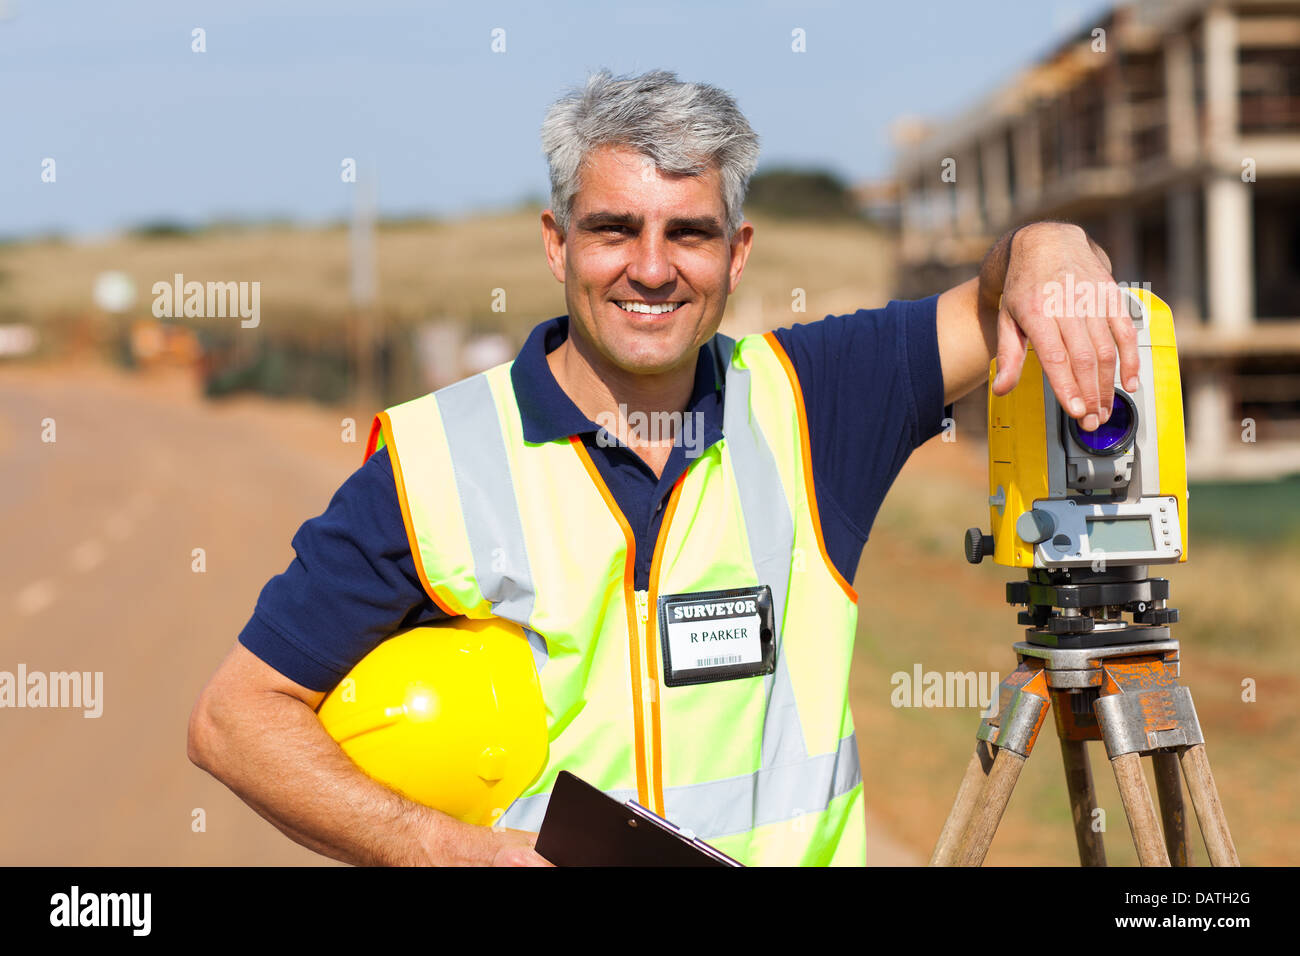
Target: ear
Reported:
point(740, 246)
point(553, 239)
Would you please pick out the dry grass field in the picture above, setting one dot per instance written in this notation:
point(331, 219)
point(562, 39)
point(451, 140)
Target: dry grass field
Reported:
point(428, 270)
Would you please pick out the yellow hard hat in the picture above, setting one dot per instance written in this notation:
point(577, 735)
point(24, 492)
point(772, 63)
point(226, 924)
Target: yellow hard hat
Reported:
point(450, 716)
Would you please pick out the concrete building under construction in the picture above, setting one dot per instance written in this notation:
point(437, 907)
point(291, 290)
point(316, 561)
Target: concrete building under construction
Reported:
point(1171, 132)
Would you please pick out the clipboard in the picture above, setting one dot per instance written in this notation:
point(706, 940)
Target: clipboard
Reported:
point(585, 827)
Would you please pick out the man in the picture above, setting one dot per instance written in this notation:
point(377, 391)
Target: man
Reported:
point(503, 496)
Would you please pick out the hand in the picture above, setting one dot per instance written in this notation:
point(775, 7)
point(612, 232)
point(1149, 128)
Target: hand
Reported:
point(516, 849)
point(1077, 339)
point(446, 841)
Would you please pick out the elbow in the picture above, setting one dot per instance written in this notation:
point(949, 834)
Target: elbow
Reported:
point(202, 733)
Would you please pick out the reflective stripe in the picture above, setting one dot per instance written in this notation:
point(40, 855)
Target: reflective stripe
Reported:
point(487, 497)
point(736, 804)
point(770, 529)
point(537, 644)
point(527, 813)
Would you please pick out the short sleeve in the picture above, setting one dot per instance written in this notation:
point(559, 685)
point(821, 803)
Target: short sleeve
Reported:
point(351, 585)
point(873, 391)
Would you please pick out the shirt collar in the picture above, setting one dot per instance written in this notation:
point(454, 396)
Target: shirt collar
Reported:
point(548, 413)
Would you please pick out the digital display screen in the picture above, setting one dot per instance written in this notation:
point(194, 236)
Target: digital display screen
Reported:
point(1120, 534)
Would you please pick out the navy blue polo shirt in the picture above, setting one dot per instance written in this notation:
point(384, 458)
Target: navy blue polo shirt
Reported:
point(873, 391)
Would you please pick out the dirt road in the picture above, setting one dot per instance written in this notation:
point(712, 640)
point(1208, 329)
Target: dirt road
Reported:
point(99, 573)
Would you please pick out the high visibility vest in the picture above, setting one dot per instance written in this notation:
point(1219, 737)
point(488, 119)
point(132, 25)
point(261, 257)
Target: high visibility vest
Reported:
point(764, 768)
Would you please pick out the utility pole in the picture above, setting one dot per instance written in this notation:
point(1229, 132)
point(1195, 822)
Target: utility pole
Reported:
point(362, 329)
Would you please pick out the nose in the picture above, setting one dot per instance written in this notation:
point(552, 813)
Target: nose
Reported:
point(651, 264)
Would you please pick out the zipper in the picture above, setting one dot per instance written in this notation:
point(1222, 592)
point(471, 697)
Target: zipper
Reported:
point(642, 651)
point(636, 605)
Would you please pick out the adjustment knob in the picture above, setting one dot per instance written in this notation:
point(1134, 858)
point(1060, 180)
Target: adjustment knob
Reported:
point(1035, 526)
point(978, 545)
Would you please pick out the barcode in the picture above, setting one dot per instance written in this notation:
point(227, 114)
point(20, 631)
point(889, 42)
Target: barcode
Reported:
point(715, 661)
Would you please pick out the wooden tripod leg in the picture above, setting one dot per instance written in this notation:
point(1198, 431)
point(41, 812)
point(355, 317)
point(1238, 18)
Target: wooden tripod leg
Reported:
point(992, 803)
point(1173, 813)
point(945, 851)
point(1083, 800)
point(1209, 811)
point(1141, 812)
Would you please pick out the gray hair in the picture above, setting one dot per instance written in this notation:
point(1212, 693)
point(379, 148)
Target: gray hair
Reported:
point(683, 128)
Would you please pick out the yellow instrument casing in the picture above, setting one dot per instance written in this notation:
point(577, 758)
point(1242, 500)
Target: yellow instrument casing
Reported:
point(1026, 435)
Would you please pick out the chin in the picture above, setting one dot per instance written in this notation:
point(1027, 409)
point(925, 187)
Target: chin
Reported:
point(647, 363)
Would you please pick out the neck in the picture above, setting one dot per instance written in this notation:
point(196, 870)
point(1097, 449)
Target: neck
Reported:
point(609, 396)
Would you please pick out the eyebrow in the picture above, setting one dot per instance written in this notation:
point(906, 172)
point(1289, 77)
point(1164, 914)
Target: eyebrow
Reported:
point(608, 217)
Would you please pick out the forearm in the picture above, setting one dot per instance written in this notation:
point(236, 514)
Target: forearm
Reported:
point(271, 750)
point(967, 331)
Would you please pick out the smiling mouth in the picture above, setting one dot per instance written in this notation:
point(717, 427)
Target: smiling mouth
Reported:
point(646, 308)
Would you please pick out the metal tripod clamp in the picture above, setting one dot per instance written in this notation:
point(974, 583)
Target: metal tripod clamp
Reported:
point(1140, 719)
point(1024, 707)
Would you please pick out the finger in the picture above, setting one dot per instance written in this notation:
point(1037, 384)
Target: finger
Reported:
point(1103, 341)
point(1082, 362)
point(1126, 338)
point(1052, 356)
point(1011, 354)
point(1100, 253)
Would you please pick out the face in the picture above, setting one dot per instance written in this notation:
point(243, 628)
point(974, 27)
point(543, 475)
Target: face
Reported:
point(646, 263)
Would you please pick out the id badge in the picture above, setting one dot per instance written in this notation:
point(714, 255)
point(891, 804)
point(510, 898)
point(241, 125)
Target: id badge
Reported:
point(717, 635)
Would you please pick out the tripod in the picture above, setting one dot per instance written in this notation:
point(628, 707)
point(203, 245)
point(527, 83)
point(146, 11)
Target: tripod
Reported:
point(1104, 679)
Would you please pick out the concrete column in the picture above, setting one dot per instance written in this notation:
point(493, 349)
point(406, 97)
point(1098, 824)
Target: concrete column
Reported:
point(1228, 260)
point(1209, 414)
point(1230, 284)
point(1122, 243)
point(1182, 240)
point(968, 201)
point(1117, 120)
point(939, 202)
point(1029, 175)
point(1221, 87)
point(997, 181)
point(911, 213)
point(1180, 100)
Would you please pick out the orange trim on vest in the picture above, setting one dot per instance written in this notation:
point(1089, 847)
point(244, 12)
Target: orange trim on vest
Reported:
point(373, 441)
point(807, 464)
point(406, 513)
point(629, 601)
point(652, 650)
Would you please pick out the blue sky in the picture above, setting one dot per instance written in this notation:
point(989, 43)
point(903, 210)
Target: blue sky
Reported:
point(142, 128)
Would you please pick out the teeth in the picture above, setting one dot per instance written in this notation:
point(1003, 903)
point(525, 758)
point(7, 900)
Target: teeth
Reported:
point(647, 309)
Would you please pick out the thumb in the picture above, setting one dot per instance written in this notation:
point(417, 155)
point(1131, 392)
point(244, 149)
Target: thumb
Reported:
point(1011, 354)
